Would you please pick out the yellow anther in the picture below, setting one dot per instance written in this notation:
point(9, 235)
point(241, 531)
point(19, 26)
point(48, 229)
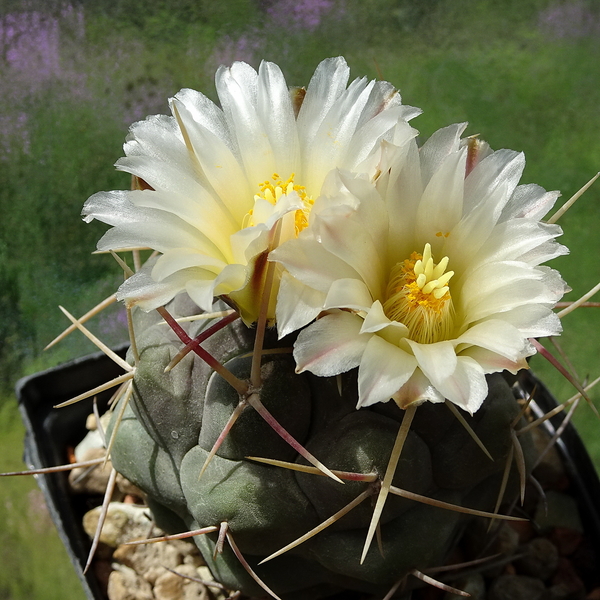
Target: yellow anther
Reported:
point(273, 189)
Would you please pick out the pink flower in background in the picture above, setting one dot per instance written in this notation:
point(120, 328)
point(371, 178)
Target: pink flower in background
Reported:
point(113, 323)
point(44, 51)
point(31, 45)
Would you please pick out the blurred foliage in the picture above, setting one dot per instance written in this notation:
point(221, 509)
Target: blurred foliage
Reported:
point(15, 334)
point(372, 21)
point(166, 20)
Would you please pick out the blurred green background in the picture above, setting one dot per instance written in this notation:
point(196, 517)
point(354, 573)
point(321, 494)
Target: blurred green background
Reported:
point(525, 74)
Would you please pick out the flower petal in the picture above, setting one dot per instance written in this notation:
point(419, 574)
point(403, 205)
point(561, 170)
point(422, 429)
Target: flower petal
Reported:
point(368, 138)
point(529, 201)
point(348, 293)
point(402, 199)
point(331, 345)
point(183, 258)
point(491, 362)
point(435, 150)
point(158, 137)
point(354, 240)
point(534, 320)
point(326, 85)
point(274, 109)
point(507, 286)
point(496, 335)
point(331, 140)
point(512, 240)
point(297, 305)
point(217, 167)
point(208, 115)
point(312, 264)
point(384, 369)
point(447, 182)
point(135, 227)
point(376, 321)
point(237, 88)
point(416, 390)
point(503, 167)
point(197, 208)
point(142, 290)
point(467, 386)
point(201, 291)
point(437, 361)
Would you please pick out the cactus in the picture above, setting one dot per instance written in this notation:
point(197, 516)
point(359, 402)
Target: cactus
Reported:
point(363, 269)
point(394, 273)
point(173, 420)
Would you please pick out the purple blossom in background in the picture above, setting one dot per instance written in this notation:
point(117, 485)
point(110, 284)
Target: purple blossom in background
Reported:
point(300, 14)
point(573, 20)
point(31, 44)
point(32, 57)
point(44, 51)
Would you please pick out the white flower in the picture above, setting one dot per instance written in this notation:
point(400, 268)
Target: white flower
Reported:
point(217, 180)
point(430, 284)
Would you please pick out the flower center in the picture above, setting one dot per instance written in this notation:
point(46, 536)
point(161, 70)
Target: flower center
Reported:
point(418, 295)
point(272, 190)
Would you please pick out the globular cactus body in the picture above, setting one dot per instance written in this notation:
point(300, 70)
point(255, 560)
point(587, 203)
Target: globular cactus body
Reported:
point(174, 419)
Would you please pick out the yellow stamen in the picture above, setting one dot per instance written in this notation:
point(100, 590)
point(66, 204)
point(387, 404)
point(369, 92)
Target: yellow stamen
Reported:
point(272, 190)
point(418, 295)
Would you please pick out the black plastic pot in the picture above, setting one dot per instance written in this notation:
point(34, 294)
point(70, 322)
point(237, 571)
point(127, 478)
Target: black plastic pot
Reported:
point(51, 432)
point(584, 481)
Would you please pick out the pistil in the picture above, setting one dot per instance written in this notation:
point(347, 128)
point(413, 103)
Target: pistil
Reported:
point(418, 295)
